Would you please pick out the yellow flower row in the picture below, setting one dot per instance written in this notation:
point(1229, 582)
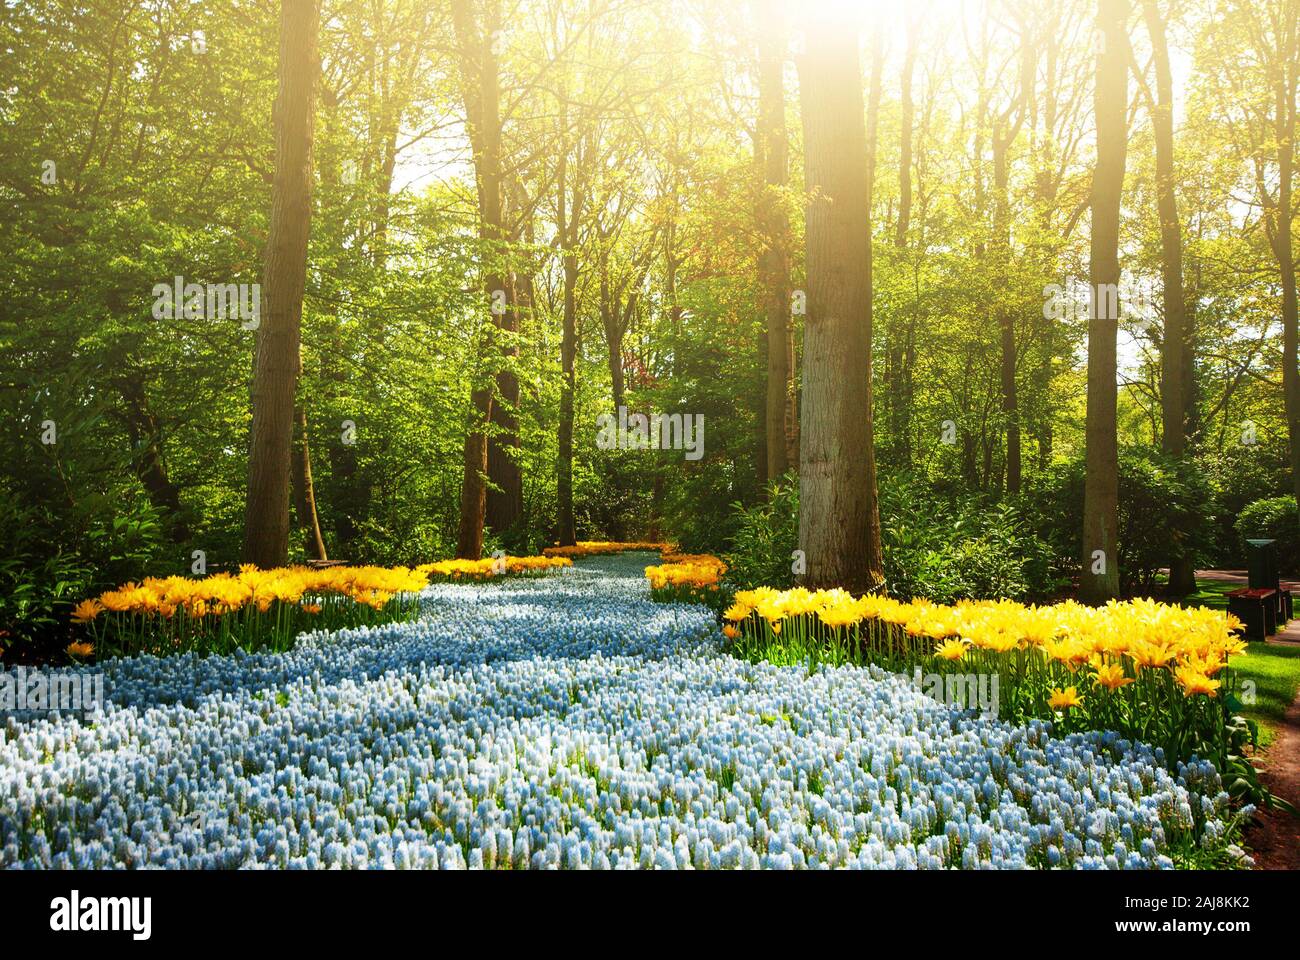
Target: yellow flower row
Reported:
point(1194, 643)
point(224, 593)
point(491, 567)
point(590, 548)
point(700, 571)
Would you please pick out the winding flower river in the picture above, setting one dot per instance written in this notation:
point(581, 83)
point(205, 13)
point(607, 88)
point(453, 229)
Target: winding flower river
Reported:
point(568, 721)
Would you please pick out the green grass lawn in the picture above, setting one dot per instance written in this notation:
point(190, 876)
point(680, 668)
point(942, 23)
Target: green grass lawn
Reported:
point(1275, 670)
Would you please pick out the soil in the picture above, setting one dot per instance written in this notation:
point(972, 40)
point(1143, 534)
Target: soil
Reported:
point(1274, 839)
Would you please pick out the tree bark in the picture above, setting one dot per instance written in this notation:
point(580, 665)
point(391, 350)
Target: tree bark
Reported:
point(284, 272)
point(1099, 576)
point(781, 410)
point(901, 336)
point(505, 495)
point(1004, 135)
point(1173, 360)
point(1285, 83)
point(147, 458)
point(482, 108)
point(839, 522)
point(566, 225)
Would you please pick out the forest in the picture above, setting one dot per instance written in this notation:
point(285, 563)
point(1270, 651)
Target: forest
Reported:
point(647, 434)
point(990, 298)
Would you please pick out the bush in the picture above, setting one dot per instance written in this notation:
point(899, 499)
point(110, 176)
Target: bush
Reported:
point(952, 547)
point(1164, 505)
point(1275, 518)
point(1237, 476)
point(942, 547)
point(52, 560)
point(766, 535)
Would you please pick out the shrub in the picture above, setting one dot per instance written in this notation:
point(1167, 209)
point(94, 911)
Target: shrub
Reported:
point(1275, 518)
point(1164, 504)
point(54, 558)
point(766, 535)
point(1237, 476)
point(939, 546)
point(950, 547)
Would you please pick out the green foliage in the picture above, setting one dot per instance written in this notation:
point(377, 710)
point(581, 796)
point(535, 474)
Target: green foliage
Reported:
point(58, 555)
point(947, 547)
point(937, 545)
point(1237, 475)
point(765, 536)
point(1163, 506)
point(1275, 518)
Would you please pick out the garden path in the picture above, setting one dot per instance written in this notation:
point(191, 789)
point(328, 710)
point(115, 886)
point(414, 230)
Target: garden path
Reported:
point(1276, 837)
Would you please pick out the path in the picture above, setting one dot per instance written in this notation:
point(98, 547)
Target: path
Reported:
point(1289, 634)
point(1275, 836)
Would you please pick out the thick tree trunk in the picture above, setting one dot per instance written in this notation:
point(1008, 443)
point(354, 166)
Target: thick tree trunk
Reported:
point(1099, 576)
point(482, 107)
point(1173, 360)
point(284, 272)
point(839, 522)
point(781, 411)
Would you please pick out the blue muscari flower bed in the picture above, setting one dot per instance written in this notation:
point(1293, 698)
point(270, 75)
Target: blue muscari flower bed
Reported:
point(567, 721)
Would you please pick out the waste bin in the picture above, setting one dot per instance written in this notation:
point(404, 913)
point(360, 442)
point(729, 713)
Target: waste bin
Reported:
point(1262, 561)
point(1262, 558)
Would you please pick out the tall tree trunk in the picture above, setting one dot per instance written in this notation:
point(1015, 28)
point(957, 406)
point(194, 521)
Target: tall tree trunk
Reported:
point(1004, 135)
point(566, 226)
point(350, 492)
point(900, 333)
point(1045, 191)
point(874, 89)
point(1099, 577)
point(1285, 84)
point(473, 489)
point(303, 490)
point(1005, 315)
point(482, 108)
point(839, 521)
point(284, 278)
point(774, 256)
point(505, 495)
point(611, 319)
point(1173, 360)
